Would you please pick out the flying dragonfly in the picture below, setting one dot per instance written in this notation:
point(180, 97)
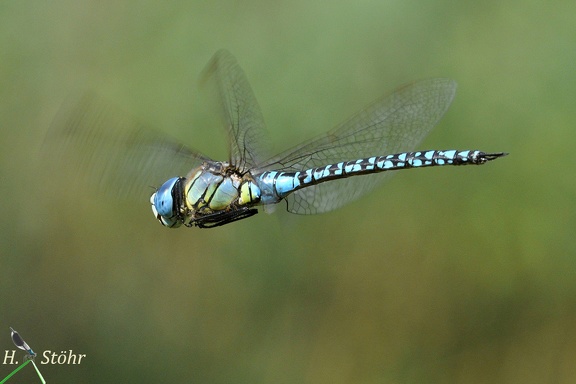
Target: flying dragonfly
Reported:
point(316, 176)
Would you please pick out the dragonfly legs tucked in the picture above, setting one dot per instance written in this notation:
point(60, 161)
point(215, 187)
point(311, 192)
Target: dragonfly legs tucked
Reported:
point(217, 219)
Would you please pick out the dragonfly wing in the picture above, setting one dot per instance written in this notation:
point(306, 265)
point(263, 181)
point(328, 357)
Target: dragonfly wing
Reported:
point(242, 116)
point(393, 124)
point(18, 341)
point(114, 152)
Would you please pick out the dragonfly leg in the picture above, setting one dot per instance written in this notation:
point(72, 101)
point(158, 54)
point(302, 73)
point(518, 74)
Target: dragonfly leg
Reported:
point(217, 219)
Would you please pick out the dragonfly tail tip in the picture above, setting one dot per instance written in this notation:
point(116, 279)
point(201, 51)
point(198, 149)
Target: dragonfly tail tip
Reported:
point(495, 155)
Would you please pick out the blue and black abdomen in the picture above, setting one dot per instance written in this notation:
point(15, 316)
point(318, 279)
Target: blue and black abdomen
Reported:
point(284, 183)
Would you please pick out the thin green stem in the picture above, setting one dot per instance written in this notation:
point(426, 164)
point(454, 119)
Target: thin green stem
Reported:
point(38, 372)
point(14, 371)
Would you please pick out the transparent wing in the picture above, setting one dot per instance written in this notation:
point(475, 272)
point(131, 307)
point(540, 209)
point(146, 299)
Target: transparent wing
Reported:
point(113, 152)
point(242, 116)
point(396, 123)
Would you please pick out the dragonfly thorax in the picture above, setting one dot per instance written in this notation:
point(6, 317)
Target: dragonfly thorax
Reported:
point(210, 192)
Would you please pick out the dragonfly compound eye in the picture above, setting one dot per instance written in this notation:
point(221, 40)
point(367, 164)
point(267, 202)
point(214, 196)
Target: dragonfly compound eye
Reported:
point(165, 204)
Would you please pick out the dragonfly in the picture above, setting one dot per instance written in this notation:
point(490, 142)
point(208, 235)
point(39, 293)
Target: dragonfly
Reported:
point(20, 343)
point(29, 357)
point(316, 176)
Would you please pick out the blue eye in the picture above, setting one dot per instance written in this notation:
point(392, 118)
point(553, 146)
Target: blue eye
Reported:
point(163, 201)
point(163, 205)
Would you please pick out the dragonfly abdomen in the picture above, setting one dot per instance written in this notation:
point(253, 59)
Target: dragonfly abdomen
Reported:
point(284, 183)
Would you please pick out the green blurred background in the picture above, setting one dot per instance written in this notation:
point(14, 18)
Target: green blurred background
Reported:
point(447, 275)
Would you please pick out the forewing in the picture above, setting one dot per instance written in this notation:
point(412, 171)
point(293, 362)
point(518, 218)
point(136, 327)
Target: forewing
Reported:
point(107, 149)
point(242, 116)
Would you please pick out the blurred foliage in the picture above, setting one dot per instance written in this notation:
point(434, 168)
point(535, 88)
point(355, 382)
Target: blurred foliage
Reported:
point(462, 275)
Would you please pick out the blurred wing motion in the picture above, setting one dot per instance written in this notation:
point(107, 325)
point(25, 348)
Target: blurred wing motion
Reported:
point(397, 122)
point(114, 152)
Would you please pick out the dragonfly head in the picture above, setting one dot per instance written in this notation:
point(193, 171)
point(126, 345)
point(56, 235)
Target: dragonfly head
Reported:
point(166, 202)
